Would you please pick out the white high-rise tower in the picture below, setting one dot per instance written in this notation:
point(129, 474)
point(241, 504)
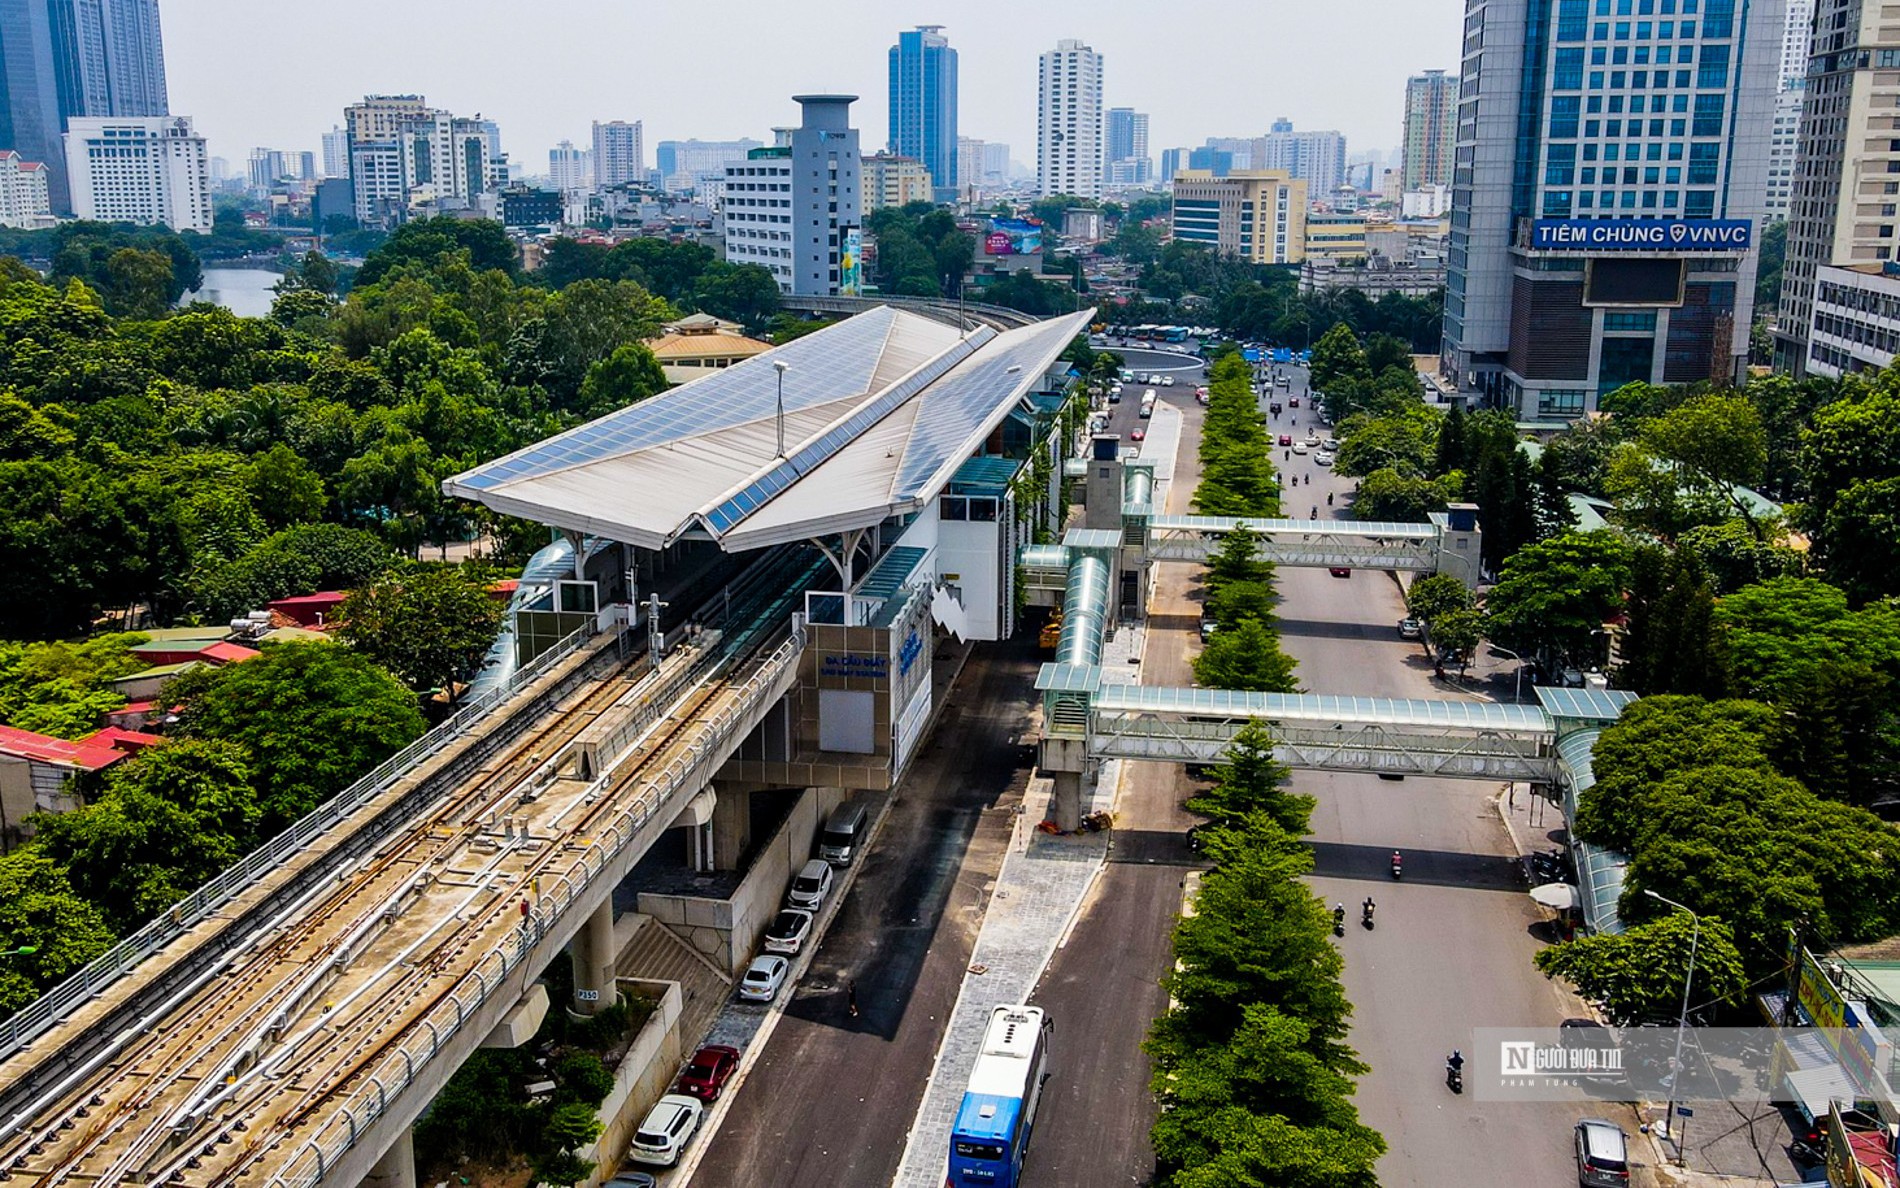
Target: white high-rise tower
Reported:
point(1069, 121)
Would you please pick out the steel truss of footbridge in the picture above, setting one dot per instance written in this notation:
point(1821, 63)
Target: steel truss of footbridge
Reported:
point(1385, 736)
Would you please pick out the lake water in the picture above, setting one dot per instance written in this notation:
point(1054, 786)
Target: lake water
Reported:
point(244, 291)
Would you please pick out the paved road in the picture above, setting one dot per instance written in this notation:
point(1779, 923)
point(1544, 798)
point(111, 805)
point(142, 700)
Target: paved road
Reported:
point(1454, 940)
point(831, 1098)
point(1104, 986)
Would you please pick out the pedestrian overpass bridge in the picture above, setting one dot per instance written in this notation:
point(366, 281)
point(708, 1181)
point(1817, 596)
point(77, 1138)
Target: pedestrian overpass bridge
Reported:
point(1385, 736)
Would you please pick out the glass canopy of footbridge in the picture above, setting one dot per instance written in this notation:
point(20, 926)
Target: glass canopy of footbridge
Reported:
point(1362, 544)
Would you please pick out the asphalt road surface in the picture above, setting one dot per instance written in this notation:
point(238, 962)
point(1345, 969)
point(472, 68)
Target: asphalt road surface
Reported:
point(1453, 944)
point(1103, 987)
point(831, 1098)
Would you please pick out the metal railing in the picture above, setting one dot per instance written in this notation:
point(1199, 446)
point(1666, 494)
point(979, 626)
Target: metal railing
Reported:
point(400, 1066)
point(81, 987)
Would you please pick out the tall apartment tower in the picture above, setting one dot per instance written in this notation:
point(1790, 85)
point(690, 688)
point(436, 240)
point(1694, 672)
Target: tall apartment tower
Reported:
point(619, 154)
point(1317, 158)
point(570, 169)
point(796, 207)
point(1128, 161)
point(1608, 186)
point(1069, 121)
point(1841, 204)
point(1431, 129)
point(336, 152)
point(151, 169)
point(65, 58)
point(1786, 131)
point(924, 105)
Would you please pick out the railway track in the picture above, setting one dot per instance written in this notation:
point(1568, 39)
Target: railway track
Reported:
point(289, 1024)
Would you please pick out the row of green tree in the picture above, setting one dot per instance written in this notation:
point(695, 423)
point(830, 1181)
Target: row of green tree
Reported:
point(1251, 1061)
point(254, 747)
point(1238, 479)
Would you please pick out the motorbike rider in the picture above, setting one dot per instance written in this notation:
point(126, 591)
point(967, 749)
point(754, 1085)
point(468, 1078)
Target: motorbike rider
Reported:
point(1397, 862)
point(1366, 909)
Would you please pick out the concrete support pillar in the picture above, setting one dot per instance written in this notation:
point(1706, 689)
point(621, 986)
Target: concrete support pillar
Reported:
point(594, 956)
point(731, 829)
point(397, 1167)
point(1065, 800)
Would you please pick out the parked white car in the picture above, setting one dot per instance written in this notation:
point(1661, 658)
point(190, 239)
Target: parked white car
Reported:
point(666, 1130)
point(762, 978)
point(788, 931)
point(810, 886)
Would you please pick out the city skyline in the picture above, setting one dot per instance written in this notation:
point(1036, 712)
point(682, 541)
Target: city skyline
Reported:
point(239, 101)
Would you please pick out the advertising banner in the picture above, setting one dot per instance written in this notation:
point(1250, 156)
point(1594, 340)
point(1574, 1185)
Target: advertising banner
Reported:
point(1012, 237)
point(851, 264)
point(1641, 235)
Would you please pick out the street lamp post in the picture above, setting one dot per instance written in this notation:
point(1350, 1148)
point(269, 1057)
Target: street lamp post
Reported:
point(1682, 1018)
point(781, 366)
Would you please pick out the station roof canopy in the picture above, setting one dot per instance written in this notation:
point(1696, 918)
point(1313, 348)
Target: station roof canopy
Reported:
point(880, 411)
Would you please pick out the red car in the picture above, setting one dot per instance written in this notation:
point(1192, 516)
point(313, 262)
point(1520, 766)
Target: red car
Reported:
point(706, 1074)
point(1292, 401)
point(1138, 435)
point(1286, 439)
point(1339, 571)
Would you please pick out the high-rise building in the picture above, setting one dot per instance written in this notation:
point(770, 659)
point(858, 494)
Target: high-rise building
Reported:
point(1258, 216)
point(1172, 162)
point(403, 152)
point(683, 164)
point(24, 201)
point(1127, 136)
point(268, 167)
point(619, 154)
point(924, 105)
point(570, 169)
point(151, 169)
point(1839, 205)
point(1431, 129)
point(1594, 244)
point(795, 208)
point(969, 162)
point(1786, 133)
point(891, 180)
point(336, 152)
point(1317, 158)
point(1211, 161)
point(995, 162)
point(65, 58)
point(372, 130)
point(1069, 121)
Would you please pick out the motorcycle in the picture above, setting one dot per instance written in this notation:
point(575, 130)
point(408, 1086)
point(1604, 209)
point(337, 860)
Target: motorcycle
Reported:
point(1339, 920)
point(1455, 1075)
point(1365, 915)
point(1397, 865)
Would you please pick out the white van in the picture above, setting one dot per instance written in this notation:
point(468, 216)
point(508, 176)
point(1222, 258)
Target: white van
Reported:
point(843, 833)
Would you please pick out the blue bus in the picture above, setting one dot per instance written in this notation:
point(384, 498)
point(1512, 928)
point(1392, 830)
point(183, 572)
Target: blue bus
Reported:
point(1175, 334)
point(992, 1128)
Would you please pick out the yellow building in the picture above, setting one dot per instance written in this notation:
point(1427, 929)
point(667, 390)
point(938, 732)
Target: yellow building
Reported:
point(890, 180)
point(1258, 215)
point(1333, 237)
point(698, 344)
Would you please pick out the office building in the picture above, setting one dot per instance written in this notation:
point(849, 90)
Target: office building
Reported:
point(619, 154)
point(1603, 232)
point(405, 154)
point(1431, 129)
point(268, 168)
point(1127, 135)
point(924, 105)
point(891, 180)
point(1856, 321)
point(1069, 121)
point(1335, 237)
point(570, 169)
point(1786, 134)
point(684, 164)
point(24, 199)
point(1317, 158)
point(796, 208)
point(1172, 162)
point(60, 59)
point(1209, 160)
point(336, 152)
point(152, 169)
point(969, 163)
point(1257, 216)
point(1842, 202)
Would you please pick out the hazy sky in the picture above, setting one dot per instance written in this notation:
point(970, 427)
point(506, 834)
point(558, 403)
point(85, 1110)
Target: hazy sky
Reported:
point(278, 75)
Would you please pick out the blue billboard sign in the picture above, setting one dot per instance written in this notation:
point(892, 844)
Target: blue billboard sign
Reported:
point(1641, 235)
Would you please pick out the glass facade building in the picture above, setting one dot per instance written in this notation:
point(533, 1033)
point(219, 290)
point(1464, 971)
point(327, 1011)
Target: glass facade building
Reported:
point(924, 105)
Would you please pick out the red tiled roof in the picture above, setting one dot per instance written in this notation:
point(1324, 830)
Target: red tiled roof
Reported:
point(320, 598)
point(121, 738)
point(24, 744)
